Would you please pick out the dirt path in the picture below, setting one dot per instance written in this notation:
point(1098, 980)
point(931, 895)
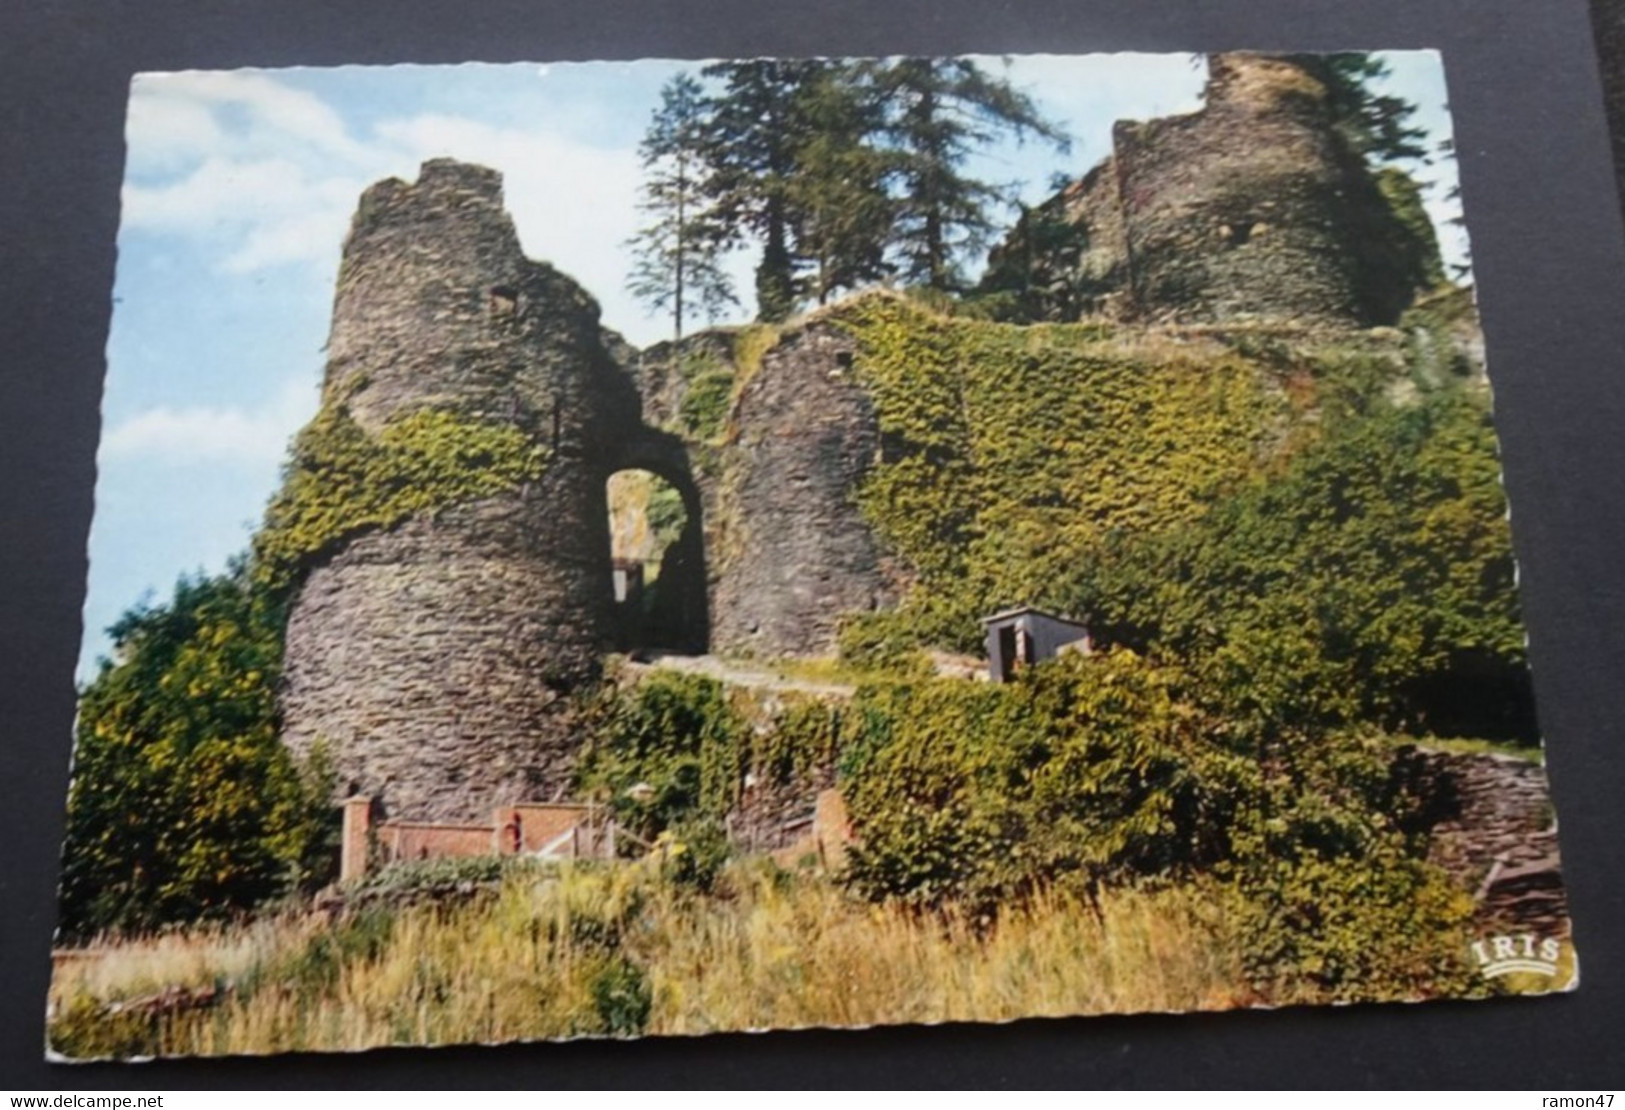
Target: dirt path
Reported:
point(742, 674)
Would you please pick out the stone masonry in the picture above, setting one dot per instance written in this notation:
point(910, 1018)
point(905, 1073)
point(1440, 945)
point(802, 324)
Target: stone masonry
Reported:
point(1251, 208)
point(1496, 835)
point(433, 658)
point(799, 554)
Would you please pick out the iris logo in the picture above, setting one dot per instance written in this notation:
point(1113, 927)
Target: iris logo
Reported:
point(1503, 955)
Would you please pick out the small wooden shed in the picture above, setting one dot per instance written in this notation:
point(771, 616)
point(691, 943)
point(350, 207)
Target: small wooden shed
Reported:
point(1023, 636)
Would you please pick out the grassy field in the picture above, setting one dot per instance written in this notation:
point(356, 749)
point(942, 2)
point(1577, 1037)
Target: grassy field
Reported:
point(615, 950)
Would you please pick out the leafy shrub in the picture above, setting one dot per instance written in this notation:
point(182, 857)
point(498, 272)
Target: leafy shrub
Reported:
point(1371, 580)
point(694, 854)
point(342, 481)
point(184, 804)
point(662, 751)
point(1086, 770)
point(672, 751)
point(622, 998)
point(1089, 771)
point(1332, 892)
point(1377, 924)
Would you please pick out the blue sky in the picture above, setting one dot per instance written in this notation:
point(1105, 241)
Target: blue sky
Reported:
point(238, 189)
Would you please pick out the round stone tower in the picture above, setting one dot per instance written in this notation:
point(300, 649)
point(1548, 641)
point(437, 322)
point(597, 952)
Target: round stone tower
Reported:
point(433, 658)
point(1253, 207)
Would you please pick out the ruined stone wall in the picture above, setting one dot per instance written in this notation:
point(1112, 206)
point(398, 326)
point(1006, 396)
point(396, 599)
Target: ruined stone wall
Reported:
point(432, 658)
point(660, 373)
point(1241, 209)
point(773, 815)
point(1250, 208)
point(1496, 835)
point(792, 552)
point(1100, 274)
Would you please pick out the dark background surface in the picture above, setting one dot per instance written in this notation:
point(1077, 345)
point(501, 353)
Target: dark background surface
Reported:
point(1547, 246)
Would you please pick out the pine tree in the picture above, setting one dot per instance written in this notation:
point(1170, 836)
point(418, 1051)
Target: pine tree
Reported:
point(843, 208)
point(1375, 126)
point(941, 110)
point(755, 128)
point(679, 252)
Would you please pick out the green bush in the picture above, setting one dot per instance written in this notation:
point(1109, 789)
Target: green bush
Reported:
point(1108, 770)
point(694, 854)
point(1371, 580)
point(662, 751)
point(1086, 770)
point(184, 803)
point(1379, 924)
point(621, 997)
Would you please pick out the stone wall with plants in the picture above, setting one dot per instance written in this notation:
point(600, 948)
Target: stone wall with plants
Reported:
point(442, 530)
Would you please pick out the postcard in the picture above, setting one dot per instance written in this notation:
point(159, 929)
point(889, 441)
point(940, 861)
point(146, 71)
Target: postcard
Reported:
point(643, 549)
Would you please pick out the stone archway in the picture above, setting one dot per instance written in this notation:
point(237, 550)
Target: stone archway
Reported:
point(679, 615)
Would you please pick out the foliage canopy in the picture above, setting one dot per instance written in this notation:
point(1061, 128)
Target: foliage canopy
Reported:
point(184, 803)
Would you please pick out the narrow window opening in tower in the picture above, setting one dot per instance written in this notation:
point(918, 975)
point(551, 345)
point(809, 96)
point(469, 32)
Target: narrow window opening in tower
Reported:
point(657, 569)
point(503, 304)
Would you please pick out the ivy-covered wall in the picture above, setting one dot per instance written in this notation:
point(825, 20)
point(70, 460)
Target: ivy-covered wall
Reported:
point(443, 527)
point(342, 481)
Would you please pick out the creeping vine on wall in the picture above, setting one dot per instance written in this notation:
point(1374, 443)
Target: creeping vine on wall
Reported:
point(1011, 452)
point(342, 481)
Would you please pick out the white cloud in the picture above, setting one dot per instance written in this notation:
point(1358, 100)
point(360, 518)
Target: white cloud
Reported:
point(250, 215)
point(163, 129)
point(220, 190)
point(573, 205)
point(273, 108)
point(278, 188)
point(202, 434)
point(313, 236)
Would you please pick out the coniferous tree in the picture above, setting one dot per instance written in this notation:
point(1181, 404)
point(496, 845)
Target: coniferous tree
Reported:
point(941, 110)
point(1377, 126)
point(844, 209)
point(755, 128)
point(679, 251)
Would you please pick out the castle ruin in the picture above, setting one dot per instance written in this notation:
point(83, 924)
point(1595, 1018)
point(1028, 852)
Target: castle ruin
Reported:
point(435, 659)
point(1253, 208)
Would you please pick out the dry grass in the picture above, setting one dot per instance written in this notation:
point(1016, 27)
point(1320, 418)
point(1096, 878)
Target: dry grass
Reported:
point(595, 951)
